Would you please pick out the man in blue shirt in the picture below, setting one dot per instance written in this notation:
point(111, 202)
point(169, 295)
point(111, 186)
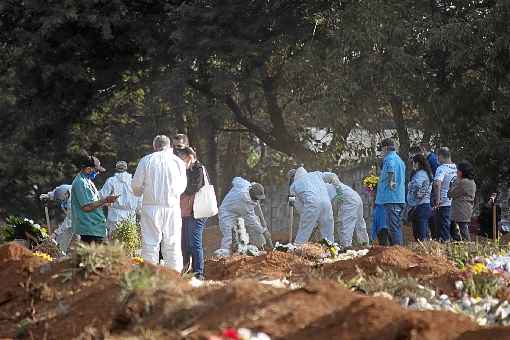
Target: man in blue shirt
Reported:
point(391, 190)
point(430, 155)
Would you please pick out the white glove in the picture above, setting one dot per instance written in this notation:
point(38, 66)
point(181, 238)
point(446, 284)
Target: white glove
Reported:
point(44, 197)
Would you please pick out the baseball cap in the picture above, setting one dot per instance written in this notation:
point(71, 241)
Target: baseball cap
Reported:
point(92, 161)
point(387, 142)
point(257, 191)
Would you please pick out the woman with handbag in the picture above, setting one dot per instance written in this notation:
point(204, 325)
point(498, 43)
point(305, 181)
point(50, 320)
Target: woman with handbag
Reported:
point(418, 198)
point(192, 228)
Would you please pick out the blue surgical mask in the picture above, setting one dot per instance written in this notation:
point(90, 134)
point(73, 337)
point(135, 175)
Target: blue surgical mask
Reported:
point(92, 176)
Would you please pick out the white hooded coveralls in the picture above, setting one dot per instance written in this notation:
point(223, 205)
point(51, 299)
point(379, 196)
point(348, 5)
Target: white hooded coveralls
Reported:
point(314, 205)
point(349, 215)
point(161, 178)
point(238, 204)
point(63, 235)
point(126, 205)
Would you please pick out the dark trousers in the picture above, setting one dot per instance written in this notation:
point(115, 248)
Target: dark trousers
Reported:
point(443, 223)
point(91, 239)
point(393, 213)
point(192, 245)
point(460, 231)
point(420, 221)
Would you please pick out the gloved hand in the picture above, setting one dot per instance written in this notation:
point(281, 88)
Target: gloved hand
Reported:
point(44, 197)
point(292, 200)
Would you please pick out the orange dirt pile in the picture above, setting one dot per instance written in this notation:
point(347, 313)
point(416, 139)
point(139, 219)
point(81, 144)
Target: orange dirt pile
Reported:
point(271, 265)
point(13, 252)
point(400, 260)
point(60, 305)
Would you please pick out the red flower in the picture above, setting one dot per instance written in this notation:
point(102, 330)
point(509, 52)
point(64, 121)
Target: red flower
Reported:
point(231, 333)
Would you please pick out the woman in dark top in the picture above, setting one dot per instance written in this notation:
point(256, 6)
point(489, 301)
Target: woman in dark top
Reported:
point(192, 228)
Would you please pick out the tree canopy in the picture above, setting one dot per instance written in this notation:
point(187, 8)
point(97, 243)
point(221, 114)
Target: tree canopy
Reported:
point(245, 79)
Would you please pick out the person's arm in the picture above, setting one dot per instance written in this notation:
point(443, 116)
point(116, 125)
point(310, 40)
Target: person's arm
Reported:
point(137, 183)
point(330, 178)
point(86, 199)
point(181, 181)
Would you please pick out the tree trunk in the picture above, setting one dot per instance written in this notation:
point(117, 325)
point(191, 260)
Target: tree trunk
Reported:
point(397, 108)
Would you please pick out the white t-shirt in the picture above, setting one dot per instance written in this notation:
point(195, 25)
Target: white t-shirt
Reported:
point(445, 174)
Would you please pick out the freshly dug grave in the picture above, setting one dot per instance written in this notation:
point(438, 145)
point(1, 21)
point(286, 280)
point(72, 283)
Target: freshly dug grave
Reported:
point(64, 306)
point(53, 301)
point(320, 310)
point(271, 265)
point(440, 273)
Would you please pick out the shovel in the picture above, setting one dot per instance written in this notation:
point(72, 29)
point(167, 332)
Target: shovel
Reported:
point(267, 234)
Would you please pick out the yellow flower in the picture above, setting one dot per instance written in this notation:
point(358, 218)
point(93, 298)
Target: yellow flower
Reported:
point(137, 260)
point(478, 268)
point(44, 256)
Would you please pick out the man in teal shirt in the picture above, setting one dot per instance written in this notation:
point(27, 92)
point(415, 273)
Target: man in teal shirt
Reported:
point(86, 203)
point(391, 192)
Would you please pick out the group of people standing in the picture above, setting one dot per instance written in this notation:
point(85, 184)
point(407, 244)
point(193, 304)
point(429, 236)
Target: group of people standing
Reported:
point(161, 192)
point(438, 202)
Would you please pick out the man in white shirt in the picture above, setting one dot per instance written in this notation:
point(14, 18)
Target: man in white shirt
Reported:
point(445, 173)
point(161, 178)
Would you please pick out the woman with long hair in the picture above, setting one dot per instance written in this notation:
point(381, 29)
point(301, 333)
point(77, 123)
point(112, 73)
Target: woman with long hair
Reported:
point(418, 197)
point(462, 192)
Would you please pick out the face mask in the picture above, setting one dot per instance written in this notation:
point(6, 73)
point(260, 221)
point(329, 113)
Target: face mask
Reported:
point(92, 176)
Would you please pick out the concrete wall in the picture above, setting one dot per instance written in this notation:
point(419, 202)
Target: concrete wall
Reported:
point(276, 209)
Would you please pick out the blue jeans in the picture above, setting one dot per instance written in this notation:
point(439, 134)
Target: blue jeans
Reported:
point(393, 212)
point(420, 221)
point(192, 245)
point(443, 223)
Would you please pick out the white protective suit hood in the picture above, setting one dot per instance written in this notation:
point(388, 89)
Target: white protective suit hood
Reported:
point(300, 172)
point(240, 183)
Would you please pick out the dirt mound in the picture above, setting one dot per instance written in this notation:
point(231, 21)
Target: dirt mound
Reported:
point(322, 310)
point(271, 265)
point(12, 251)
point(400, 260)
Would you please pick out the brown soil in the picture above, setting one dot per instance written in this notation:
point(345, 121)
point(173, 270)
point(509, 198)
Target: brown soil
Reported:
point(13, 252)
point(271, 265)
point(437, 271)
point(64, 306)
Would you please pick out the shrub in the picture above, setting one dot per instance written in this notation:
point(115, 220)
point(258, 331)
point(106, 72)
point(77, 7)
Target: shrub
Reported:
point(483, 285)
point(96, 258)
point(127, 232)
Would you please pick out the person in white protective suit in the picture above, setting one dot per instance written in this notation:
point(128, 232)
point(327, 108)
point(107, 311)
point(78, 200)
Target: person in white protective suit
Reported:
point(240, 202)
point(63, 235)
point(127, 204)
point(161, 178)
point(349, 211)
point(314, 205)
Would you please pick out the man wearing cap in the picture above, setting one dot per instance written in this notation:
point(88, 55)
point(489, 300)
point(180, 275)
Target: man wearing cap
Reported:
point(240, 202)
point(88, 219)
point(127, 204)
point(391, 190)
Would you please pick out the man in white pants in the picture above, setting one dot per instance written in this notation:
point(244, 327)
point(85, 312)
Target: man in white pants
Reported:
point(349, 212)
point(161, 178)
point(127, 204)
point(313, 204)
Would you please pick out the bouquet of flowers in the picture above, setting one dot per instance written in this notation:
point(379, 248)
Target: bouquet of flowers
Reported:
point(370, 183)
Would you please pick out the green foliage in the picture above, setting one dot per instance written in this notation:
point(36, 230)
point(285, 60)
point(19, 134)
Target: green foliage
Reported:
point(389, 282)
point(99, 258)
point(483, 285)
point(461, 253)
point(127, 232)
point(143, 280)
